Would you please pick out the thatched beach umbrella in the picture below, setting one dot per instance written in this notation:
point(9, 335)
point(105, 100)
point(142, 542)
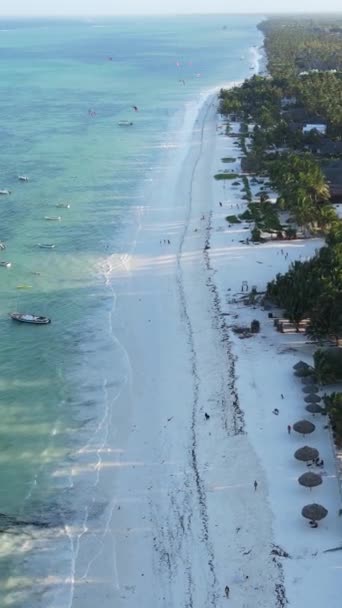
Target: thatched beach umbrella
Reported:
point(314, 512)
point(310, 480)
point(312, 398)
point(310, 388)
point(301, 365)
point(309, 380)
point(304, 427)
point(306, 453)
point(304, 372)
point(314, 408)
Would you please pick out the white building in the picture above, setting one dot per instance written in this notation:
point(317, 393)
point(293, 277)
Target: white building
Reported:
point(320, 128)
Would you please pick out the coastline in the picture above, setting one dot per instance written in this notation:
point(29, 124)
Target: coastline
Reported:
point(173, 473)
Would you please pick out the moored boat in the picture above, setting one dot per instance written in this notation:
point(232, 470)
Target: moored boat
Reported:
point(6, 264)
point(4, 192)
point(52, 218)
point(125, 123)
point(25, 318)
point(46, 245)
point(63, 206)
point(23, 178)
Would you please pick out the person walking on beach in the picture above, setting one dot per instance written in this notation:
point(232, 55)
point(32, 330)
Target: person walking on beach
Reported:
point(255, 485)
point(226, 591)
point(289, 429)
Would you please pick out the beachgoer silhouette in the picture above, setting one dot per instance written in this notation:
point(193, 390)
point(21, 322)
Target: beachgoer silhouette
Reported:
point(282, 396)
point(289, 429)
point(226, 591)
point(206, 416)
point(169, 242)
point(275, 411)
point(255, 485)
point(220, 204)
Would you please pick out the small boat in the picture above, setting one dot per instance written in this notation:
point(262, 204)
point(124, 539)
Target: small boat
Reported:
point(63, 206)
point(4, 192)
point(24, 286)
point(52, 218)
point(6, 264)
point(24, 318)
point(23, 178)
point(46, 245)
point(2, 246)
point(125, 123)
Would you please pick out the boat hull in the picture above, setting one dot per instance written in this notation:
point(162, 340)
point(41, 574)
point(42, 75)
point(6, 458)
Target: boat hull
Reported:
point(32, 319)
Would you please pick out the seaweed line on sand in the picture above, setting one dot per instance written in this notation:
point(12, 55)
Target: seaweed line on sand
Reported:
point(222, 328)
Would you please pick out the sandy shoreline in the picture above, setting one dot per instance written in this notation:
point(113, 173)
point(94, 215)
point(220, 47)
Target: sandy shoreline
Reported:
point(181, 517)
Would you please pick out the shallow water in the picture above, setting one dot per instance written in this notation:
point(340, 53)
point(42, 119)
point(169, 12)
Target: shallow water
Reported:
point(59, 383)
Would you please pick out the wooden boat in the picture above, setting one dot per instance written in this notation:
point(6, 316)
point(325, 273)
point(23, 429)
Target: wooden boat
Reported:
point(46, 245)
point(24, 318)
point(6, 264)
point(52, 218)
point(63, 206)
point(125, 123)
point(23, 178)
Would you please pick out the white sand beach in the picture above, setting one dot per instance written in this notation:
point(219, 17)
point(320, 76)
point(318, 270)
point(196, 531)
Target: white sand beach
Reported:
point(182, 517)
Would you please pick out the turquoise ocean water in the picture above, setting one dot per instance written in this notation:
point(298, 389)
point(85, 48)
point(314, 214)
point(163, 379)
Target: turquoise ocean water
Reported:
point(54, 383)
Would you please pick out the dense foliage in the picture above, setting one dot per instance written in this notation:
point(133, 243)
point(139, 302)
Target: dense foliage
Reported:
point(304, 86)
point(313, 289)
point(294, 45)
point(333, 404)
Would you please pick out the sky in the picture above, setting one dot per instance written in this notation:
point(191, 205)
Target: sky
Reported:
point(131, 7)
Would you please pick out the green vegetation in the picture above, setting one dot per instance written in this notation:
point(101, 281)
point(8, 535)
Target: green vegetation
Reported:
point(313, 289)
point(280, 106)
point(303, 189)
point(333, 404)
point(233, 219)
point(296, 44)
point(328, 365)
point(219, 176)
point(247, 188)
point(264, 215)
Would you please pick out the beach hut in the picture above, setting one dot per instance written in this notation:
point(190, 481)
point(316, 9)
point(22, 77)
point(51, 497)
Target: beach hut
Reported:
point(314, 512)
point(305, 454)
point(304, 427)
point(310, 388)
point(312, 398)
point(314, 408)
point(310, 480)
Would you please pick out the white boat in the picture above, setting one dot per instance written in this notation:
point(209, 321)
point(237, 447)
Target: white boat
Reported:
point(23, 178)
point(63, 206)
point(2, 246)
point(6, 264)
point(34, 319)
point(125, 123)
point(53, 218)
point(4, 192)
point(46, 245)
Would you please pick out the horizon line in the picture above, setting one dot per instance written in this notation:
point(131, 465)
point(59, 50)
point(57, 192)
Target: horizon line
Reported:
point(176, 14)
